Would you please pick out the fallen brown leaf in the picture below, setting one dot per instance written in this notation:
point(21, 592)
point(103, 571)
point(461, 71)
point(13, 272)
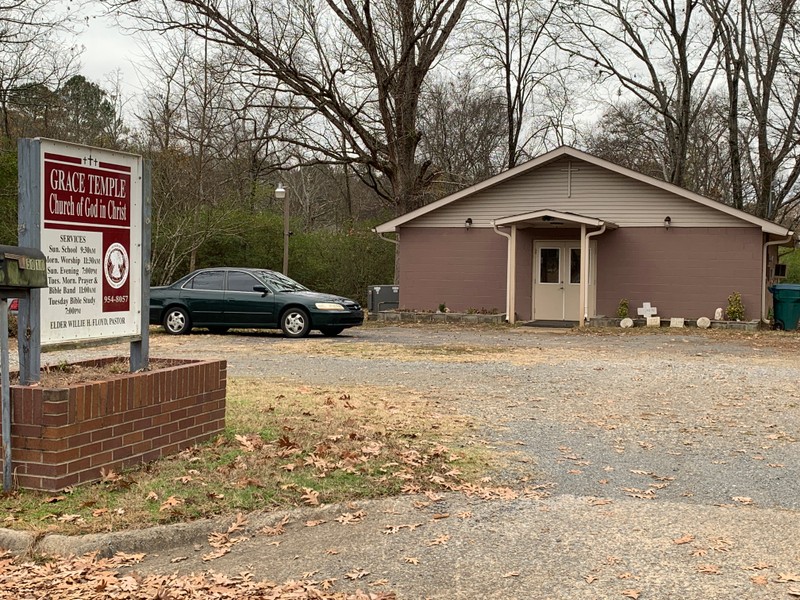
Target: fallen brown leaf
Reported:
point(170, 502)
point(356, 574)
point(709, 569)
point(683, 540)
point(315, 523)
point(439, 541)
point(216, 554)
point(238, 524)
point(310, 497)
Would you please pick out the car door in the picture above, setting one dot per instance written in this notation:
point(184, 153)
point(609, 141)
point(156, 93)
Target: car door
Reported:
point(244, 307)
point(204, 296)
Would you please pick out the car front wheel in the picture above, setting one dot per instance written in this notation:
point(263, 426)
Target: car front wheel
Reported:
point(177, 322)
point(295, 323)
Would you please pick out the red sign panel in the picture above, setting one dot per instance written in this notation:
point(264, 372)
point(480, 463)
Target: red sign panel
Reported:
point(91, 228)
point(93, 198)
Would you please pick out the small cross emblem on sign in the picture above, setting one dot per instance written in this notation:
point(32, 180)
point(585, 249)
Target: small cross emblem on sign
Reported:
point(647, 310)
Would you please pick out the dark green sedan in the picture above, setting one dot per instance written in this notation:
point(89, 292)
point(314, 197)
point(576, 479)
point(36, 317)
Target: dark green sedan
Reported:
point(226, 297)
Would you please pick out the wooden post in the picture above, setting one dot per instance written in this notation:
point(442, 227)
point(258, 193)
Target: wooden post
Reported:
point(140, 349)
point(29, 336)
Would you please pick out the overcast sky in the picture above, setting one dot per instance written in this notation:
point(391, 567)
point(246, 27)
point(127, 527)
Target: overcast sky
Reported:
point(106, 50)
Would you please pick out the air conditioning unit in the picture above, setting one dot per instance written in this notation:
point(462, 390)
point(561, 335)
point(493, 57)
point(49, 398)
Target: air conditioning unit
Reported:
point(383, 297)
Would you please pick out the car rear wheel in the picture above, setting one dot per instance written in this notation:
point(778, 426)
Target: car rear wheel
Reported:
point(331, 331)
point(177, 322)
point(295, 323)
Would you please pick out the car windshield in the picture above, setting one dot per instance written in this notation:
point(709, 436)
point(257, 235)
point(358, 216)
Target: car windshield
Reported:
point(280, 282)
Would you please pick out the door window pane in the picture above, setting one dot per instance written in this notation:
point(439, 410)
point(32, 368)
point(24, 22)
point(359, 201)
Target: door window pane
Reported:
point(574, 265)
point(241, 282)
point(549, 263)
point(210, 280)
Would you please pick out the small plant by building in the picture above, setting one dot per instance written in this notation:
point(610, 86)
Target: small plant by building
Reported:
point(622, 309)
point(735, 310)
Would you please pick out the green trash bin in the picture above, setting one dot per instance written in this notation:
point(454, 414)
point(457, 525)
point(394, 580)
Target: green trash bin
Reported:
point(786, 305)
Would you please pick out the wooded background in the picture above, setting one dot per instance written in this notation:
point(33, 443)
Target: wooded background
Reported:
point(365, 110)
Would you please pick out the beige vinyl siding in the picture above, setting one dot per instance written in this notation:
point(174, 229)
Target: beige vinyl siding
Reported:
point(596, 192)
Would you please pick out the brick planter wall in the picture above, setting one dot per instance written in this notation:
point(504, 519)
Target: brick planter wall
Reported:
point(64, 436)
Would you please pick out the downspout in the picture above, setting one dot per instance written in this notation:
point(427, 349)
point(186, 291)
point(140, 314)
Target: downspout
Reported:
point(764, 319)
point(385, 239)
point(509, 315)
point(588, 272)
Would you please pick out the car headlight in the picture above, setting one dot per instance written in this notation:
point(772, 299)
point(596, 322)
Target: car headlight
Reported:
point(329, 306)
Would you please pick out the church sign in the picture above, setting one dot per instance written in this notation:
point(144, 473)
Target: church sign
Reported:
point(91, 233)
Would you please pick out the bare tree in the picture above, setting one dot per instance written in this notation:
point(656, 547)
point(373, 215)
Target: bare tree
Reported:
point(760, 48)
point(659, 51)
point(463, 132)
point(346, 69)
point(184, 127)
point(630, 134)
point(510, 43)
point(32, 55)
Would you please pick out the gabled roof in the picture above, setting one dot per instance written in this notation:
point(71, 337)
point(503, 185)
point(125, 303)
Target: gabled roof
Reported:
point(766, 226)
point(547, 215)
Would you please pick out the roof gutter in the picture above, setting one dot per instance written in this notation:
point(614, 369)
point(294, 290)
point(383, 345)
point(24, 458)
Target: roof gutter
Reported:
point(786, 240)
point(509, 316)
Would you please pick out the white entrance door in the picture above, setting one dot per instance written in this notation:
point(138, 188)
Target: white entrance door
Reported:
point(556, 280)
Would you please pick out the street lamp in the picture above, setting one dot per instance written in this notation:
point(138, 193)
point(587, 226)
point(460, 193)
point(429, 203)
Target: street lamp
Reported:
point(280, 194)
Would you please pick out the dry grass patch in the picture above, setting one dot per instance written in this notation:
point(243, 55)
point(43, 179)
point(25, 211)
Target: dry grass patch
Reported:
point(285, 445)
point(454, 353)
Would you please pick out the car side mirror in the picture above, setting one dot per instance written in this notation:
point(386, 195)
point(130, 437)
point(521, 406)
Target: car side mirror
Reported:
point(260, 288)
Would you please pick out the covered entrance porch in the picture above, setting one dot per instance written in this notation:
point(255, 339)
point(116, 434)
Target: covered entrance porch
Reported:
point(551, 266)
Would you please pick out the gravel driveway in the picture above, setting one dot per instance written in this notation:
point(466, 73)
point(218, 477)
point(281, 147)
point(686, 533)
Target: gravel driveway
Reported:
point(664, 464)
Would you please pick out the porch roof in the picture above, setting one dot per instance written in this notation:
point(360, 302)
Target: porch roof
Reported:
point(552, 219)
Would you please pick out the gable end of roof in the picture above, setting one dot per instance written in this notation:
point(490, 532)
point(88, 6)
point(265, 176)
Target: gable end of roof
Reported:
point(766, 226)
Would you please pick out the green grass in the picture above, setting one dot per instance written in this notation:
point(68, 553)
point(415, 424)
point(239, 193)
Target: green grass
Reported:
point(283, 446)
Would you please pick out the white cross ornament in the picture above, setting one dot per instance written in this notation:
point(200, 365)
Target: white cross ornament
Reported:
point(647, 310)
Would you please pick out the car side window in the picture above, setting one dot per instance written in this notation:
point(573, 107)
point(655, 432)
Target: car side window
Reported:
point(241, 282)
point(209, 280)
